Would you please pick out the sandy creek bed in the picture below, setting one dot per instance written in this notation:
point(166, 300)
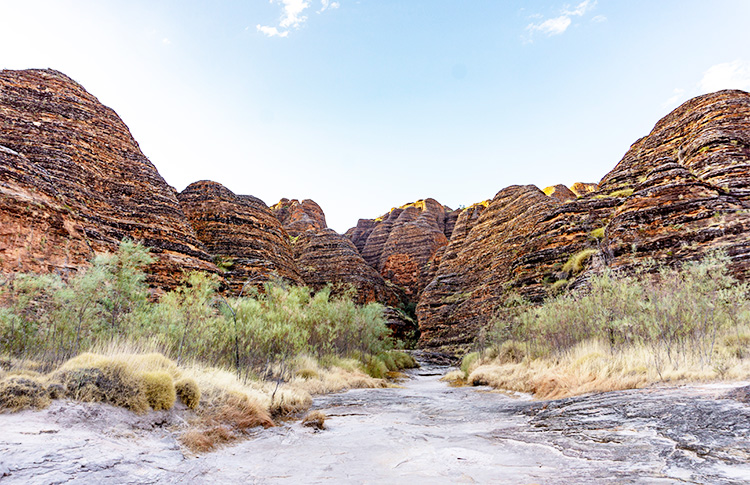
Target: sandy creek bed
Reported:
point(424, 432)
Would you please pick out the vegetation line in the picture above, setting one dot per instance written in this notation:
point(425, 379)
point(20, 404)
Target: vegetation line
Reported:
point(623, 331)
point(98, 336)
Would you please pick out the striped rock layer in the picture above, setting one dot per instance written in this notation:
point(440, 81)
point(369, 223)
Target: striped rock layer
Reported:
point(73, 183)
point(677, 194)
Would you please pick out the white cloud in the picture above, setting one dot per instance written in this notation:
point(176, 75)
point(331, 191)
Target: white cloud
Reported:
point(551, 27)
point(581, 8)
point(271, 31)
point(558, 25)
point(599, 19)
point(292, 16)
point(293, 13)
point(728, 75)
point(328, 4)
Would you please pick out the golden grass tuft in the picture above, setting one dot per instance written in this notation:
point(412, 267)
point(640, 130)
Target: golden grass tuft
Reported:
point(95, 378)
point(20, 392)
point(592, 366)
point(455, 378)
point(315, 420)
point(160, 390)
point(575, 262)
point(307, 373)
point(188, 392)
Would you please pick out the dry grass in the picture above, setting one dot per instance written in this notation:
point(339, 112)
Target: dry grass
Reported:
point(96, 378)
point(315, 420)
point(188, 392)
point(22, 391)
point(593, 367)
point(225, 408)
point(160, 391)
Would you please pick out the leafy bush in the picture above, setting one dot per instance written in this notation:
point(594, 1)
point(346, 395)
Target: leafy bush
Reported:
point(674, 312)
point(51, 320)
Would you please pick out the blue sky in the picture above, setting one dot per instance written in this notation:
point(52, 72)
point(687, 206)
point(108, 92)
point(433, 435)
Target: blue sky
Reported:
point(362, 105)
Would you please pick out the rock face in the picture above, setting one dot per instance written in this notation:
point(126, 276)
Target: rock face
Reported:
point(73, 183)
point(581, 188)
point(401, 243)
point(298, 217)
point(325, 257)
point(677, 193)
point(241, 233)
point(560, 192)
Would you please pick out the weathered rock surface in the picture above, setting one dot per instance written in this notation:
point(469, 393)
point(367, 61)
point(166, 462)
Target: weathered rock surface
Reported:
point(688, 186)
point(560, 192)
point(400, 244)
point(676, 194)
point(241, 233)
point(297, 217)
point(38, 231)
point(582, 188)
point(422, 430)
point(325, 257)
point(73, 182)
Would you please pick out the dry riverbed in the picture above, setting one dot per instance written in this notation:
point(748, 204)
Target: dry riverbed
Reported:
point(423, 432)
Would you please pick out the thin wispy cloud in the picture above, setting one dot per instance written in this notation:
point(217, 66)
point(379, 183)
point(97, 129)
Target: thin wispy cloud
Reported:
point(292, 16)
point(727, 75)
point(558, 25)
point(327, 4)
point(272, 31)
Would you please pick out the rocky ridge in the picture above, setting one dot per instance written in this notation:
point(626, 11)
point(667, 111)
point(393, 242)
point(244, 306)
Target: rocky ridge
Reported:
point(241, 232)
point(298, 217)
point(75, 183)
point(401, 243)
point(676, 194)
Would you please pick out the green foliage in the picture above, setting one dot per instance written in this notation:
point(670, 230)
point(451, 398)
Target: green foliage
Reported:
point(51, 320)
point(622, 193)
point(187, 312)
point(46, 318)
point(674, 312)
point(224, 263)
point(457, 297)
point(467, 361)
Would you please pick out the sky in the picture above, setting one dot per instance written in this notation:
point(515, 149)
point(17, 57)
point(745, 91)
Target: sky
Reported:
point(364, 105)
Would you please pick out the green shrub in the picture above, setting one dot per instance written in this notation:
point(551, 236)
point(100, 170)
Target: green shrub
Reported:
point(675, 312)
point(511, 351)
point(374, 367)
point(467, 361)
point(597, 233)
